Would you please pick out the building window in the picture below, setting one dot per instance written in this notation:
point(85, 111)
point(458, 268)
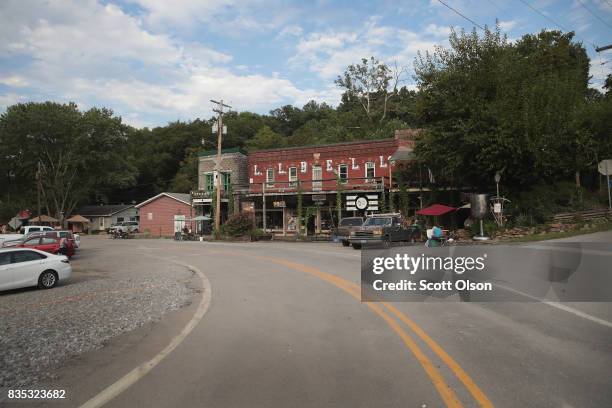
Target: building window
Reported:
point(227, 180)
point(343, 173)
point(369, 171)
point(119, 219)
point(132, 218)
point(293, 176)
point(269, 177)
point(149, 216)
point(209, 182)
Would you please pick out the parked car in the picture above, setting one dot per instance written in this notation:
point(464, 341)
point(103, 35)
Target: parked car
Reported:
point(47, 244)
point(69, 235)
point(345, 227)
point(28, 229)
point(23, 232)
point(127, 226)
point(384, 229)
point(20, 268)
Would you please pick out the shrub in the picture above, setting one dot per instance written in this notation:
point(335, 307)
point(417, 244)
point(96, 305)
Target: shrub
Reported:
point(537, 205)
point(257, 232)
point(238, 224)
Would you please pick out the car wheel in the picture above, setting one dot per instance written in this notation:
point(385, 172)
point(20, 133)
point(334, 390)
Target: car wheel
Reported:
point(47, 280)
point(356, 246)
point(345, 243)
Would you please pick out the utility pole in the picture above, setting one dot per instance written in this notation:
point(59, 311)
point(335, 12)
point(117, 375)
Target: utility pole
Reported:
point(263, 206)
point(38, 189)
point(220, 112)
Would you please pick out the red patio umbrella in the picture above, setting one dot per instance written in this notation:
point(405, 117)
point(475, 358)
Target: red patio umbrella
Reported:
point(436, 210)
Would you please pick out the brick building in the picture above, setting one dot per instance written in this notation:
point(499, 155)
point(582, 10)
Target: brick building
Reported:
point(234, 180)
point(272, 181)
point(165, 213)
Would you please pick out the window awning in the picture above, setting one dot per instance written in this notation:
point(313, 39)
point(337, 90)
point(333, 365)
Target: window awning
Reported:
point(435, 210)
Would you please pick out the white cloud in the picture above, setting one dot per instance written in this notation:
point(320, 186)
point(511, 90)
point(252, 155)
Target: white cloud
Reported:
point(15, 81)
point(97, 54)
point(291, 31)
point(438, 31)
point(329, 53)
point(507, 25)
point(9, 99)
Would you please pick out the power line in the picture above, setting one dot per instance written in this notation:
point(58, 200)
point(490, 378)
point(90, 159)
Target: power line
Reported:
point(595, 15)
point(553, 20)
point(545, 16)
point(460, 14)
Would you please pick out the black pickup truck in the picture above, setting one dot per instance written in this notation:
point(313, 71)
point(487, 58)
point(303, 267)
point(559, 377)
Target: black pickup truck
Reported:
point(384, 229)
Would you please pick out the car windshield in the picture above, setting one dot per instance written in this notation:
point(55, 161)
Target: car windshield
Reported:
point(377, 221)
point(351, 222)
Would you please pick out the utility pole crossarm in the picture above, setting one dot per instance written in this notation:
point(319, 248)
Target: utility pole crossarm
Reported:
point(605, 47)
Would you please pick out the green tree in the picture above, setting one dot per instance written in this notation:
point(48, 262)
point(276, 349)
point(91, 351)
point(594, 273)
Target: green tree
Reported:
point(80, 155)
point(265, 138)
point(491, 105)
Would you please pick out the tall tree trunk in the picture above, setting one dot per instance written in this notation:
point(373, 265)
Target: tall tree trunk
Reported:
point(577, 177)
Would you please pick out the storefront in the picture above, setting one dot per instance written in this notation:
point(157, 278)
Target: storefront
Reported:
point(327, 182)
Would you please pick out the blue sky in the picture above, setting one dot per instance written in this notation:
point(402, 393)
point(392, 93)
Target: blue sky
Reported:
point(154, 61)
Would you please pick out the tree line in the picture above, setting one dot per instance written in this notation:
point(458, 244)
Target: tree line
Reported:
point(523, 108)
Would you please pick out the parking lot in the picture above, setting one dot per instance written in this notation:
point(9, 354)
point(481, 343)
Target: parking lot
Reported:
point(112, 291)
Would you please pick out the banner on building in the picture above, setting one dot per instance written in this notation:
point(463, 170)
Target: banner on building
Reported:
point(362, 202)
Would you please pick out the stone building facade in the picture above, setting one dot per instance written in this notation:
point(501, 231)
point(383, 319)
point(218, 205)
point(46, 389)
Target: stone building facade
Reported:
point(234, 180)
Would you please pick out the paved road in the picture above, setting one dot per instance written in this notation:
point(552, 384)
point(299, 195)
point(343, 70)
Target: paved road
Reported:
point(285, 328)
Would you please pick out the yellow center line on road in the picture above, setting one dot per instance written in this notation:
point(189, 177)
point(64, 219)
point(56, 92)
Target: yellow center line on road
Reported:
point(448, 395)
point(459, 372)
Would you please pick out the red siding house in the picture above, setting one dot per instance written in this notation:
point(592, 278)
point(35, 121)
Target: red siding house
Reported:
point(165, 213)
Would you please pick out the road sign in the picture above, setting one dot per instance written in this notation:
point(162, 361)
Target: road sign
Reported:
point(605, 167)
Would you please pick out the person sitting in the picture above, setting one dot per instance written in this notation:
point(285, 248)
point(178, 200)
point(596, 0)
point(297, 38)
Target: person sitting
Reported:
point(434, 237)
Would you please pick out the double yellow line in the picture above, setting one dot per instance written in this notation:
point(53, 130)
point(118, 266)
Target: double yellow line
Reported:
point(447, 394)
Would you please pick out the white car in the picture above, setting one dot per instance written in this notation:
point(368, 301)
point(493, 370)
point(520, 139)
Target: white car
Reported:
point(21, 267)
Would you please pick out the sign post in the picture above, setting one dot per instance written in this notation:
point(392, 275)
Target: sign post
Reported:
point(605, 168)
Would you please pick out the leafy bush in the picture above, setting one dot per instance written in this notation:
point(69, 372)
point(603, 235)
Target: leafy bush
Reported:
point(539, 204)
point(238, 224)
point(257, 232)
point(490, 228)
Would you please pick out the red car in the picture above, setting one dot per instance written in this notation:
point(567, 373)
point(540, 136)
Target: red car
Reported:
point(47, 244)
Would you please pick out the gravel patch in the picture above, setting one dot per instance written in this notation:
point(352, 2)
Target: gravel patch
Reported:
point(40, 329)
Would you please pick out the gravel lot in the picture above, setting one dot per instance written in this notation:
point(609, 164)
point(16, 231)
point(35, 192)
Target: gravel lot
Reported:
point(111, 292)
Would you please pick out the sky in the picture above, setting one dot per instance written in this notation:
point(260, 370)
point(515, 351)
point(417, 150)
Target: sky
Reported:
point(156, 61)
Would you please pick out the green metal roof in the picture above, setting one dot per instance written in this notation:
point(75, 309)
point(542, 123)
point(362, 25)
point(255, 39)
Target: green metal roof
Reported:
point(223, 151)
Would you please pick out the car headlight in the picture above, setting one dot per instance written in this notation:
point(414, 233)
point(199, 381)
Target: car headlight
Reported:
point(352, 234)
